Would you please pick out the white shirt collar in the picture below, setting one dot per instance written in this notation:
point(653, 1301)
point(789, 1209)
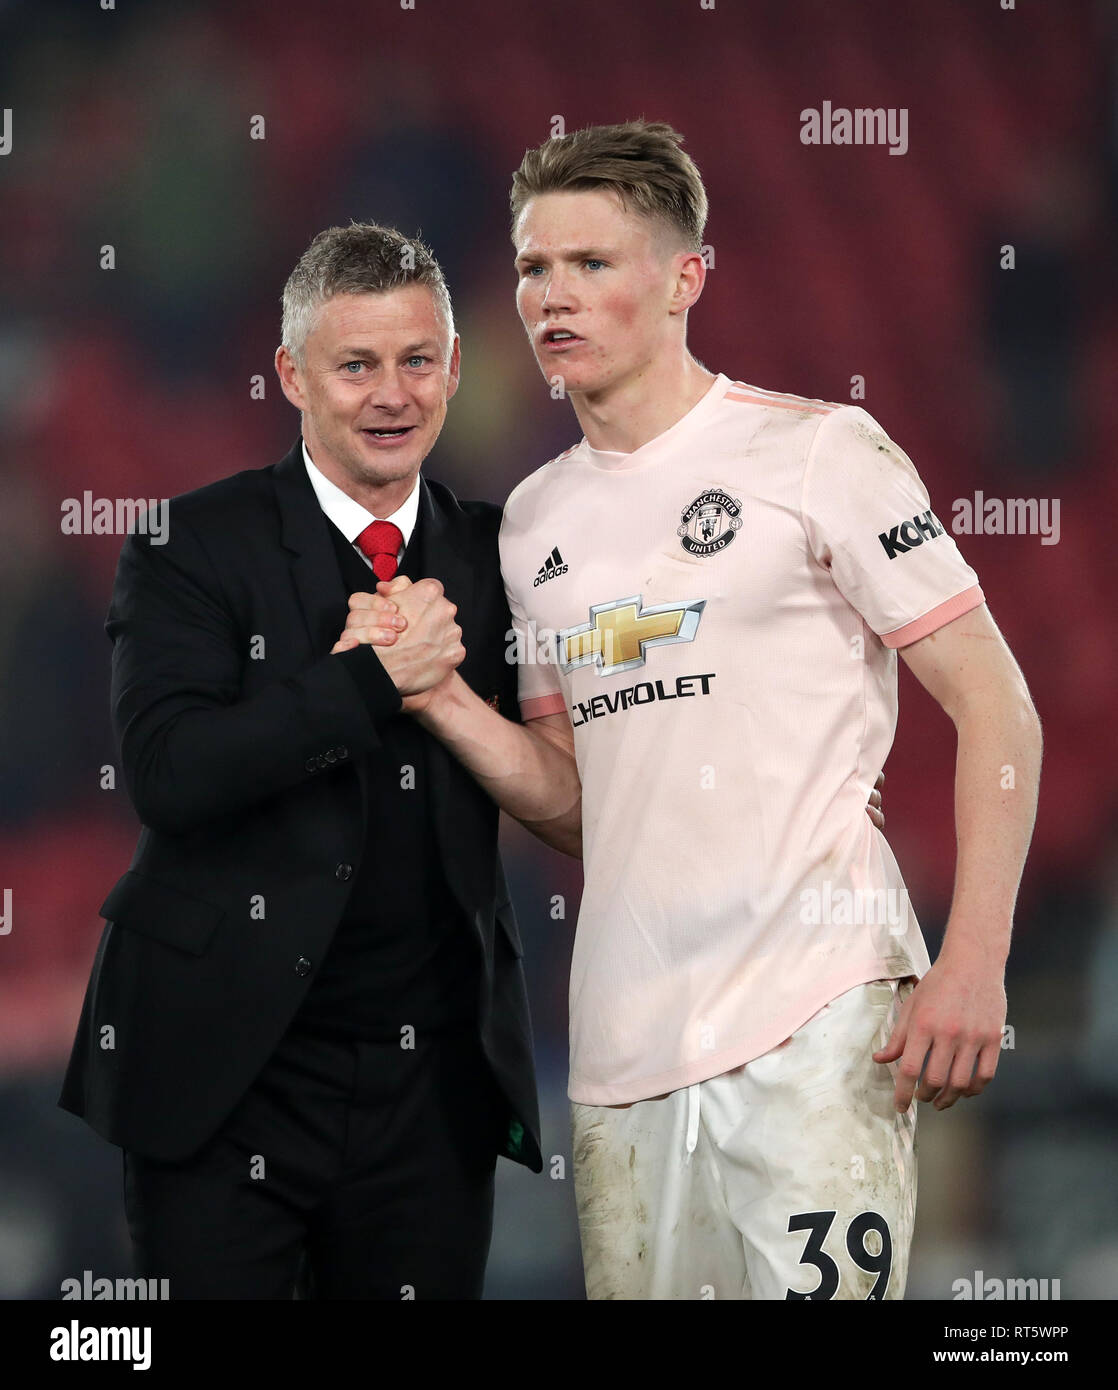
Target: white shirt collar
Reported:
point(351, 517)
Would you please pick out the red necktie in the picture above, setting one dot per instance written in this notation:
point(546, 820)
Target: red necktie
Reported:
point(381, 542)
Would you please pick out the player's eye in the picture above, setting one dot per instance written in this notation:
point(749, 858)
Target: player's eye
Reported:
point(346, 366)
point(592, 261)
point(530, 270)
point(418, 358)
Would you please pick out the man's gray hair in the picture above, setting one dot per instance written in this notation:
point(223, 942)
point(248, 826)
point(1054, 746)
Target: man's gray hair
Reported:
point(363, 258)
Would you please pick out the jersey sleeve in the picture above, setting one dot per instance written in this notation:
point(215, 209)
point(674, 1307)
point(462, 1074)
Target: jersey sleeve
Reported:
point(869, 520)
point(538, 687)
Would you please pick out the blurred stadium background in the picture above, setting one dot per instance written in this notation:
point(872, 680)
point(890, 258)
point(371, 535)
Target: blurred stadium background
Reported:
point(131, 128)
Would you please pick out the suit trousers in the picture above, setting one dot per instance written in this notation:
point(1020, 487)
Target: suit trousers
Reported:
point(348, 1170)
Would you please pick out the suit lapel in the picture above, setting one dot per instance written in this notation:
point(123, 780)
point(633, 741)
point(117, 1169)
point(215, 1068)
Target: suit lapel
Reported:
point(314, 566)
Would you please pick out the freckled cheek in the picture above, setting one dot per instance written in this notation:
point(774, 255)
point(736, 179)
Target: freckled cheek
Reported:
point(622, 310)
point(616, 317)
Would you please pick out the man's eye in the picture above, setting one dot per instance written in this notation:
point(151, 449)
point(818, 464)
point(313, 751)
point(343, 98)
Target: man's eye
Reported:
point(418, 357)
point(531, 270)
point(346, 366)
point(592, 261)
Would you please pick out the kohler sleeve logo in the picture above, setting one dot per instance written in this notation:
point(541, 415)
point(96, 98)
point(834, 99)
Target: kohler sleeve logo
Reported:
point(906, 535)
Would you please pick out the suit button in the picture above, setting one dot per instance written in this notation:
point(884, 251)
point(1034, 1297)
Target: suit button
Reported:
point(302, 966)
point(320, 762)
point(344, 872)
point(342, 751)
point(331, 756)
point(311, 764)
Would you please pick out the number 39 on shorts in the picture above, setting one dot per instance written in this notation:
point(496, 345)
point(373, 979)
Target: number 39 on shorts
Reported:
point(874, 1255)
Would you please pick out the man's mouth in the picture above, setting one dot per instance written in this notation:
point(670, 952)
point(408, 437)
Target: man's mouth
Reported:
point(400, 432)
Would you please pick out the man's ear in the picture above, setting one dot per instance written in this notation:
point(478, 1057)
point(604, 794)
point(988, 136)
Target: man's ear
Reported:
point(290, 378)
point(454, 368)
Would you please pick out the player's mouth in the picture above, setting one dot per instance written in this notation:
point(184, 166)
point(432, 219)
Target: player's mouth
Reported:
point(559, 340)
point(389, 438)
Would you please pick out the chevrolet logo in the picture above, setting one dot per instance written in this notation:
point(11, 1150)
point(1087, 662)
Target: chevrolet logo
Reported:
point(617, 634)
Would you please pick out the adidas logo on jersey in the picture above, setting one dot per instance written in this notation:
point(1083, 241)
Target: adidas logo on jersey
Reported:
point(551, 568)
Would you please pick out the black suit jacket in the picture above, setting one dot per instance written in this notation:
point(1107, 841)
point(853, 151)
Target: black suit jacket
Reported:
point(241, 743)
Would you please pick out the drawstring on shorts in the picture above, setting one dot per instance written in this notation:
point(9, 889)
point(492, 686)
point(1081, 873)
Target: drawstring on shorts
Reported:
point(692, 1120)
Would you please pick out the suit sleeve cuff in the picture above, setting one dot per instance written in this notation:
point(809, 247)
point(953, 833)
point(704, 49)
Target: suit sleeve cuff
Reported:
point(373, 682)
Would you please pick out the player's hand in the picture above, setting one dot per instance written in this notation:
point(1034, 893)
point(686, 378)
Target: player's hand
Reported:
point(428, 648)
point(874, 809)
point(380, 622)
point(950, 1029)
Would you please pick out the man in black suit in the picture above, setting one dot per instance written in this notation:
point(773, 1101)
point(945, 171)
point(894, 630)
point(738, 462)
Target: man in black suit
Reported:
point(306, 1024)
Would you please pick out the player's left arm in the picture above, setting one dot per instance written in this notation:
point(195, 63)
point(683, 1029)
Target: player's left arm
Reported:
point(950, 1026)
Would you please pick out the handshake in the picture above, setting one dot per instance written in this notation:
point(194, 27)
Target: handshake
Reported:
point(412, 628)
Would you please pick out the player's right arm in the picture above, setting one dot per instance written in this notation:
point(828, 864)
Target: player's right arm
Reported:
point(528, 769)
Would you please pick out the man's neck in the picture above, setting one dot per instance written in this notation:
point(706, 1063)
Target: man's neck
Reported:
point(380, 500)
point(632, 413)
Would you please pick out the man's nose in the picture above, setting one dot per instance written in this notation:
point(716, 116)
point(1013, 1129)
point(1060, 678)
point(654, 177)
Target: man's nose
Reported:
point(388, 390)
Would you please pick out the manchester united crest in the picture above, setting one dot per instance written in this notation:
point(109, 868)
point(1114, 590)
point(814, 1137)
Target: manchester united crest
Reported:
point(710, 523)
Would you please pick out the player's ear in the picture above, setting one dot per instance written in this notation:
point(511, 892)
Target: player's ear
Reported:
point(690, 277)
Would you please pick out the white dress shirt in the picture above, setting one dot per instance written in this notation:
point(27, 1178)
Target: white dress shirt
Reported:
point(351, 518)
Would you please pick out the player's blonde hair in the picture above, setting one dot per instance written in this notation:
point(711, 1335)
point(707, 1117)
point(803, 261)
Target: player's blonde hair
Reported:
point(642, 162)
point(363, 258)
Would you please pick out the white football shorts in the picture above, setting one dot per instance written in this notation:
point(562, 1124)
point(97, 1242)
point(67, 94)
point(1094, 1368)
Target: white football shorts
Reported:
point(792, 1176)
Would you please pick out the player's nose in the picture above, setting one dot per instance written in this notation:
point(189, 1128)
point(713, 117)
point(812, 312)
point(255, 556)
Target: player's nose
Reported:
point(557, 296)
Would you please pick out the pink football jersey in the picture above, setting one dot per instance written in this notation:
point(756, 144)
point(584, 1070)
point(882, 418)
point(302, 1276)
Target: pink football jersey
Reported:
point(718, 613)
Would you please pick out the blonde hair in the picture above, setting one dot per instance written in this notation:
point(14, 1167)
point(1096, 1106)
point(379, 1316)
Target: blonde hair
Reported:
point(642, 162)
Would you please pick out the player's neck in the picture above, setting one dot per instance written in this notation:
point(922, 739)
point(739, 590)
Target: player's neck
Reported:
point(631, 413)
